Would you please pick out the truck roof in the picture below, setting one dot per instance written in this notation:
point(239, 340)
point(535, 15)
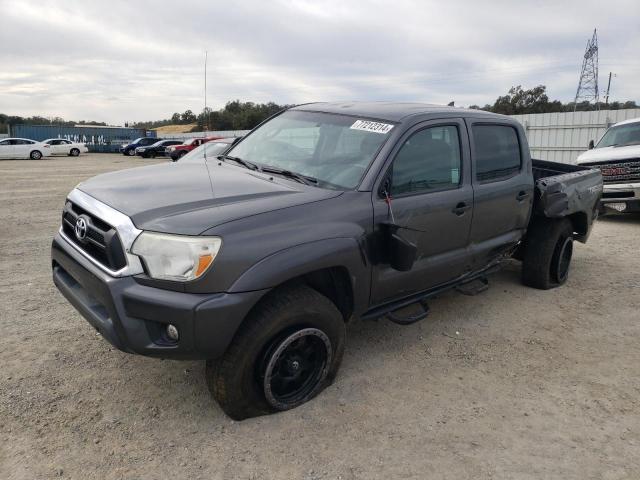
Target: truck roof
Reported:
point(391, 111)
point(624, 122)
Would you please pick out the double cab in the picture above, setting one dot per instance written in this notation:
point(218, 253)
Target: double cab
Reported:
point(256, 260)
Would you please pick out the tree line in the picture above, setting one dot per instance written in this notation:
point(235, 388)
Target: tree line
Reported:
point(519, 101)
point(6, 120)
point(237, 115)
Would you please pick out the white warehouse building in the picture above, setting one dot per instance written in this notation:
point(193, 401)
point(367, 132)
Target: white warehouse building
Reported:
point(561, 137)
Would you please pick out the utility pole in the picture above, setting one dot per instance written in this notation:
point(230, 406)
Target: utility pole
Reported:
point(606, 96)
point(588, 83)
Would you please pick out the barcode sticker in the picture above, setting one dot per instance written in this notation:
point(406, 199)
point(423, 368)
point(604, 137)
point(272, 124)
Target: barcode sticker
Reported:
point(369, 126)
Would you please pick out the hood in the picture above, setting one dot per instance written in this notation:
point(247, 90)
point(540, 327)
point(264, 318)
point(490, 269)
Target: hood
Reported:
point(191, 197)
point(609, 153)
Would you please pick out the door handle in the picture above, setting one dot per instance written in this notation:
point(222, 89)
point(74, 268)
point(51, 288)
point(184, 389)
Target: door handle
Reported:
point(521, 196)
point(461, 208)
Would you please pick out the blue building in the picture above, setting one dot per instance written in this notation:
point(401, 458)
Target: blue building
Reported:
point(97, 138)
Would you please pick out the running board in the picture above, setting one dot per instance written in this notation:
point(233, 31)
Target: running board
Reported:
point(473, 287)
point(411, 318)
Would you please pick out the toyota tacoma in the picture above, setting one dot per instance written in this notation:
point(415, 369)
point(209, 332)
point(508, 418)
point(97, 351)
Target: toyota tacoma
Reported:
point(255, 260)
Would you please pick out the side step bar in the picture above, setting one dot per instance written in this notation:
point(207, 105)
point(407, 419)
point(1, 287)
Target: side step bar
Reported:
point(411, 318)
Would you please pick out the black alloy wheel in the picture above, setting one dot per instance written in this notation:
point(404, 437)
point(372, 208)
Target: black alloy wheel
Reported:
point(294, 366)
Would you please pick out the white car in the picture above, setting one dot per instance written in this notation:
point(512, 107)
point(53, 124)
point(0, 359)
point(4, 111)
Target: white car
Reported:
point(23, 148)
point(60, 146)
point(617, 156)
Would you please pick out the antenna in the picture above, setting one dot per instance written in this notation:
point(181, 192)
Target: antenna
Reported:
point(588, 84)
point(206, 113)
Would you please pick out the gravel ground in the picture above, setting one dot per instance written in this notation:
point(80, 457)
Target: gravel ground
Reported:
point(514, 383)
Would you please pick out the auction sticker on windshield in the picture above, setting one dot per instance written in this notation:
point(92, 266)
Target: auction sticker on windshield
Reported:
point(369, 126)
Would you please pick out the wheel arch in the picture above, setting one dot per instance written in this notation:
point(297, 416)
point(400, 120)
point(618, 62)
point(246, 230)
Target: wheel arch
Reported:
point(580, 224)
point(337, 268)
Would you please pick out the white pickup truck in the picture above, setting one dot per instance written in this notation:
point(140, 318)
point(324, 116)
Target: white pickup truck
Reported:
point(617, 155)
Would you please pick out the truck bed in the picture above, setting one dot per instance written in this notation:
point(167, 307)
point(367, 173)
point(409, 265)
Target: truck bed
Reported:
point(562, 190)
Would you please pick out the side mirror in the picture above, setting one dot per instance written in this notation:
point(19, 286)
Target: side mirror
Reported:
point(591, 145)
point(401, 252)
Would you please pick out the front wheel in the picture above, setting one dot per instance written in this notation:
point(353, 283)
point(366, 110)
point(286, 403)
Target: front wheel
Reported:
point(547, 254)
point(35, 155)
point(287, 351)
point(151, 155)
point(131, 152)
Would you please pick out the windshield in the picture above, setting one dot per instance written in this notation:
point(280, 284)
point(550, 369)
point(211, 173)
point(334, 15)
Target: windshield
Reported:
point(206, 150)
point(334, 149)
point(628, 134)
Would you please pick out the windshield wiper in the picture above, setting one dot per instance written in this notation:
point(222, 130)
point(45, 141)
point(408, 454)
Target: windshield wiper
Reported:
point(289, 174)
point(244, 163)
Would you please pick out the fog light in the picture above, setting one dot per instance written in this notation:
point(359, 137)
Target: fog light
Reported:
point(172, 332)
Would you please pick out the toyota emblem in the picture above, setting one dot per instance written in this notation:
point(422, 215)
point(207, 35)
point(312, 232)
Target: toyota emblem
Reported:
point(81, 228)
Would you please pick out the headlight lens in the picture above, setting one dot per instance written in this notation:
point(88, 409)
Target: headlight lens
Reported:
point(176, 257)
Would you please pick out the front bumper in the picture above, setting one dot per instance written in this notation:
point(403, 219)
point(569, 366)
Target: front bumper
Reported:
point(618, 194)
point(133, 317)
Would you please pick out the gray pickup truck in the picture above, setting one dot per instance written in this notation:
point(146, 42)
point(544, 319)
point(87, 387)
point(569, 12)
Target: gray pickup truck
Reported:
point(255, 260)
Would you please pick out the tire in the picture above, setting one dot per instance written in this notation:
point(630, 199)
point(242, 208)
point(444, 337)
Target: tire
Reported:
point(181, 154)
point(131, 152)
point(35, 155)
point(151, 155)
point(547, 253)
point(74, 152)
point(265, 368)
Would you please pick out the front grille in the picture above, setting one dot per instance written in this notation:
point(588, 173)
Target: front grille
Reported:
point(618, 171)
point(101, 241)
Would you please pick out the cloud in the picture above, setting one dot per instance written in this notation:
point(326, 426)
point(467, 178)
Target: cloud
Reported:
point(121, 60)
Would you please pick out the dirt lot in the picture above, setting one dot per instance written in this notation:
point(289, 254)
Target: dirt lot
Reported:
point(513, 383)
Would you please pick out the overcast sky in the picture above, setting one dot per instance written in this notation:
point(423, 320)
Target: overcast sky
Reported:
point(125, 60)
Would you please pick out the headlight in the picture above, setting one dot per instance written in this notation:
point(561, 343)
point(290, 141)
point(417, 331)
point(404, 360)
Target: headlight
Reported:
point(176, 257)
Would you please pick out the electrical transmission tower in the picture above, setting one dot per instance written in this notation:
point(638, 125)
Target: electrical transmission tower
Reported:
point(588, 85)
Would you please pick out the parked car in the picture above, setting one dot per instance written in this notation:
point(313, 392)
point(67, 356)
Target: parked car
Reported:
point(617, 155)
point(178, 151)
point(130, 149)
point(157, 149)
point(210, 149)
point(23, 148)
point(326, 212)
point(61, 146)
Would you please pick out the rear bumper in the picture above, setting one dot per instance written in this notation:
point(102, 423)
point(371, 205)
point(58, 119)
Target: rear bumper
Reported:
point(619, 194)
point(133, 317)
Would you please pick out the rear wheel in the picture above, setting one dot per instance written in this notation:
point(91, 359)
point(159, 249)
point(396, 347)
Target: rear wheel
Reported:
point(35, 155)
point(287, 351)
point(547, 253)
point(74, 152)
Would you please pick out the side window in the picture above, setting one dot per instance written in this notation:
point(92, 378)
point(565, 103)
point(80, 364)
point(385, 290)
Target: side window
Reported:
point(497, 152)
point(429, 160)
point(5, 142)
